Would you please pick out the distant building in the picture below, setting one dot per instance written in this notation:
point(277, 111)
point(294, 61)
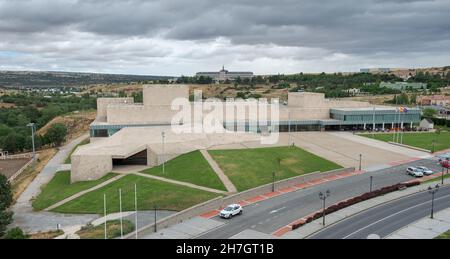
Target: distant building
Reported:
point(426, 124)
point(224, 75)
point(436, 100)
point(402, 86)
point(375, 70)
point(353, 91)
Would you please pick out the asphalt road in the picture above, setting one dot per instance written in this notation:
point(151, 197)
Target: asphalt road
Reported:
point(387, 218)
point(270, 215)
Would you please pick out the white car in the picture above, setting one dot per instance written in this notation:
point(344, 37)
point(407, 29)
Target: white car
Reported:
point(414, 172)
point(425, 170)
point(444, 157)
point(230, 211)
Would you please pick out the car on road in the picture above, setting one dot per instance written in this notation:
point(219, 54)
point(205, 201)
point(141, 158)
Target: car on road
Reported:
point(414, 172)
point(425, 170)
point(444, 157)
point(445, 163)
point(230, 211)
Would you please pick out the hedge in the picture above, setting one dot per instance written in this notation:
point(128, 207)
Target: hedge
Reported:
point(354, 200)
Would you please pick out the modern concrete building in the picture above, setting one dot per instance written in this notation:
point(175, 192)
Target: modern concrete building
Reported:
point(128, 133)
point(224, 75)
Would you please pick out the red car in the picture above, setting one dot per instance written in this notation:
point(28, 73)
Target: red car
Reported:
point(445, 163)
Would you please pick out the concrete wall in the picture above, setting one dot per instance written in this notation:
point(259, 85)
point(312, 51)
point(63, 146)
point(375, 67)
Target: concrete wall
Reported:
point(102, 104)
point(90, 167)
point(164, 94)
point(220, 202)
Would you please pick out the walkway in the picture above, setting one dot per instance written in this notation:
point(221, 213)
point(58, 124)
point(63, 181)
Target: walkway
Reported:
point(31, 221)
point(179, 183)
point(425, 228)
point(77, 195)
point(225, 180)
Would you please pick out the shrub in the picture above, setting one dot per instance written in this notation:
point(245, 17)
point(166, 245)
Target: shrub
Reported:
point(15, 233)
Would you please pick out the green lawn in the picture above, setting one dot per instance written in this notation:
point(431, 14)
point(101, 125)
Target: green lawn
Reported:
point(191, 168)
point(445, 235)
point(248, 168)
point(151, 192)
point(420, 140)
point(60, 188)
point(84, 142)
point(112, 230)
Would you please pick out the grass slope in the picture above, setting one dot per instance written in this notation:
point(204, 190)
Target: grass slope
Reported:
point(248, 168)
point(420, 140)
point(112, 230)
point(151, 192)
point(60, 188)
point(84, 142)
point(191, 168)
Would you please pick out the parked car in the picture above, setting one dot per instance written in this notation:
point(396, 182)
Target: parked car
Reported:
point(231, 210)
point(444, 157)
point(425, 170)
point(414, 172)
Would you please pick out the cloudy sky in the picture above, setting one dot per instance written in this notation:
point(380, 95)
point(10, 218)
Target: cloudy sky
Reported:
point(181, 37)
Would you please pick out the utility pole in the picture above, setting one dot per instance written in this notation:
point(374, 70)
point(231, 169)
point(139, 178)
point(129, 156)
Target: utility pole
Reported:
point(155, 218)
point(273, 181)
point(136, 212)
point(120, 208)
point(104, 213)
point(163, 135)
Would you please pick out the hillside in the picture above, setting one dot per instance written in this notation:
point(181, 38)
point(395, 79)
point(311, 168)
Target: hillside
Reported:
point(66, 79)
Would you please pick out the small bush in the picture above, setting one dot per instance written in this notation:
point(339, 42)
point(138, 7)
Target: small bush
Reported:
point(15, 233)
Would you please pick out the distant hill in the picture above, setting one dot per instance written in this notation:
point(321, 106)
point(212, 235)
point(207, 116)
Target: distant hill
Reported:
point(65, 79)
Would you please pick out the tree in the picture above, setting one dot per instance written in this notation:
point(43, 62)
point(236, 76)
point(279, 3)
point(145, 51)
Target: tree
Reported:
point(5, 202)
point(429, 113)
point(15, 233)
point(56, 134)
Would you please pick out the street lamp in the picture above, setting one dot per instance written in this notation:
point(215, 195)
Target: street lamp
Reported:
point(360, 162)
point(432, 191)
point(273, 181)
point(324, 197)
point(163, 135)
point(371, 183)
point(33, 130)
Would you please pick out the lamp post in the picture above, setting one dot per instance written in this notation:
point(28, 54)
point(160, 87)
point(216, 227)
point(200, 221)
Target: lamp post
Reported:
point(442, 175)
point(324, 197)
point(360, 162)
point(33, 130)
point(433, 191)
point(273, 181)
point(155, 218)
point(371, 183)
point(163, 135)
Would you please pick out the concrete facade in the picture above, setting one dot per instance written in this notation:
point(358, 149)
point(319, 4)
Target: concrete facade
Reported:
point(128, 132)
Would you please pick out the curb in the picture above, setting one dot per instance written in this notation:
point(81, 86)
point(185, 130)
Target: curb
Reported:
point(393, 200)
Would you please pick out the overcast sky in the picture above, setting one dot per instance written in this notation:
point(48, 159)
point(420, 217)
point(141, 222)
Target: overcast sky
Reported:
point(181, 37)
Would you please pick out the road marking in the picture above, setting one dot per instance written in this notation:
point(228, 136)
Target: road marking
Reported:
point(277, 210)
point(390, 216)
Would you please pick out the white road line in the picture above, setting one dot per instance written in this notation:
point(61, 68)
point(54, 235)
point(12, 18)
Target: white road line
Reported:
point(390, 216)
point(277, 210)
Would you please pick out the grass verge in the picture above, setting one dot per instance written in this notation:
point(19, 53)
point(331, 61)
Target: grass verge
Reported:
point(60, 188)
point(420, 140)
point(112, 230)
point(151, 193)
point(249, 168)
point(191, 168)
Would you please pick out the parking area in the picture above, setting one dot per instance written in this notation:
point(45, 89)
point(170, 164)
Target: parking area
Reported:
point(345, 149)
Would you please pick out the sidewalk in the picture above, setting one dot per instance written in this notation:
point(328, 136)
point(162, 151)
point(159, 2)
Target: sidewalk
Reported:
point(425, 228)
point(31, 221)
point(225, 180)
point(337, 216)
